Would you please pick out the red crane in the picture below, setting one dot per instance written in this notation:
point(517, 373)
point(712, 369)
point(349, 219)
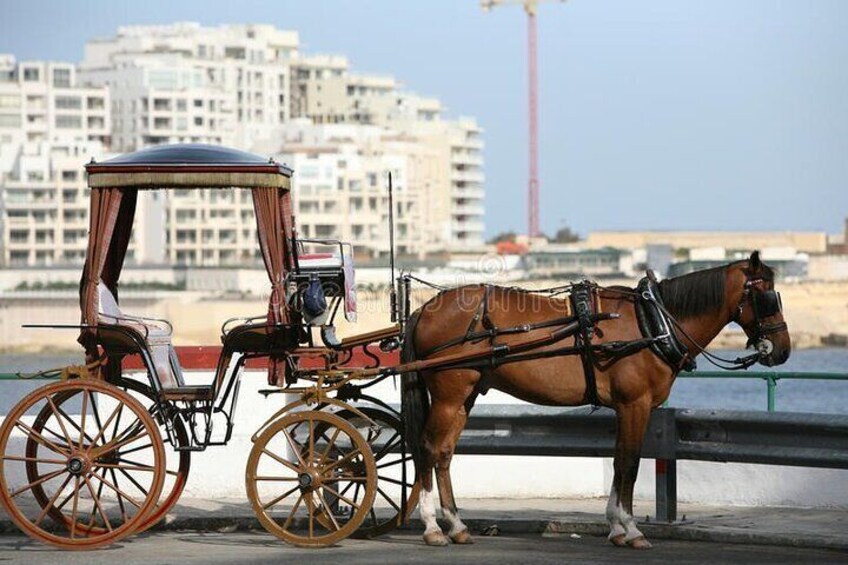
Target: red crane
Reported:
point(530, 7)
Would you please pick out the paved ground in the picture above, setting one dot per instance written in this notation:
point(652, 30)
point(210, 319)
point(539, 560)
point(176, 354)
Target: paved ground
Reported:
point(258, 547)
point(530, 531)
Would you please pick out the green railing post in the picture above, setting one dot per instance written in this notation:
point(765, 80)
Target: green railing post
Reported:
point(771, 384)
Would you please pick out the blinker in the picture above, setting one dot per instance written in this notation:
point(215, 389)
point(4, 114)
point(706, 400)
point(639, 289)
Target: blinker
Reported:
point(767, 303)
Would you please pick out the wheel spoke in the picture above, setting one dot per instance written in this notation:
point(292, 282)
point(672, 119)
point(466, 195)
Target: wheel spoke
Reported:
point(394, 481)
point(120, 497)
point(342, 461)
point(340, 496)
point(34, 459)
point(83, 413)
point(280, 460)
point(281, 498)
point(134, 449)
point(395, 462)
point(117, 490)
point(93, 517)
point(75, 507)
point(97, 504)
point(311, 510)
point(71, 420)
point(276, 478)
point(41, 439)
point(311, 441)
point(133, 481)
point(103, 427)
point(293, 511)
point(59, 420)
point(52, 500)
point(328, 513)
point(329, 446)
point(294, 449)
point(40, 480)
point(388, 499)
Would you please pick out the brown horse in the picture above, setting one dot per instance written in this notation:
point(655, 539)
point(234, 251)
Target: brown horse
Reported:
point(702, 303)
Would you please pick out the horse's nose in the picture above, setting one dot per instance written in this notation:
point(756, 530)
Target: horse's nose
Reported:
point(784, 356)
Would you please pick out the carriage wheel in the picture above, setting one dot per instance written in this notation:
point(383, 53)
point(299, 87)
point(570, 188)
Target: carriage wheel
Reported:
point(397, 489)
point(301, 469)
point(67, 471)
point(178, 463)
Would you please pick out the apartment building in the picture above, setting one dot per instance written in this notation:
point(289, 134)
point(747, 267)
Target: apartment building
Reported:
point(50, 126)
point(244, 86)
point(184, 83)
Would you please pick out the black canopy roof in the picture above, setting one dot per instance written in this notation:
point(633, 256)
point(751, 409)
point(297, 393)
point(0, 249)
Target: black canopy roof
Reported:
point(188, 165)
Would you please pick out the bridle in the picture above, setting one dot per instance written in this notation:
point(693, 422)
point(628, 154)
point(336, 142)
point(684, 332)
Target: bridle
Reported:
point(764, 304)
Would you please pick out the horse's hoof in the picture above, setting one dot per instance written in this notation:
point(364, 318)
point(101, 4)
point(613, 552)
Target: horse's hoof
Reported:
point(436, 539)
point(618, 540)
point(462, 538)
point(639, 543)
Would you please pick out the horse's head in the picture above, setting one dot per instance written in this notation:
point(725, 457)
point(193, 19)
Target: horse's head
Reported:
point(760, 312)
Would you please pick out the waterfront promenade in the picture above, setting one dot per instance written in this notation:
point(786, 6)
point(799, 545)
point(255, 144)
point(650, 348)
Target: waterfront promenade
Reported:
point(526, 531)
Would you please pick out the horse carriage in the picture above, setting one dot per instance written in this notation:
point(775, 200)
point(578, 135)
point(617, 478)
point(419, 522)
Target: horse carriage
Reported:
point(101, 454)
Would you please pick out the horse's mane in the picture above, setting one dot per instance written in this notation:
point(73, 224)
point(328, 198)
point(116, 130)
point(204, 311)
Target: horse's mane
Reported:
point(695, 293)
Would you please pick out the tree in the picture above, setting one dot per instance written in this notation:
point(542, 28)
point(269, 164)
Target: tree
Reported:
point(565, 235)
point(503, 236)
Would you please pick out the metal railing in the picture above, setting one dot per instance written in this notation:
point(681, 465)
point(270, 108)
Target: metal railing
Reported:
point(794, 439)
point(770, 378)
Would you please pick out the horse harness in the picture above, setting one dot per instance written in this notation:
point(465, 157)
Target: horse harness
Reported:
point(581, 324)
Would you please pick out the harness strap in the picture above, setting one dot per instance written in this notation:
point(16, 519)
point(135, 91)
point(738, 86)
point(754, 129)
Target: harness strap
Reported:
point(582, 301)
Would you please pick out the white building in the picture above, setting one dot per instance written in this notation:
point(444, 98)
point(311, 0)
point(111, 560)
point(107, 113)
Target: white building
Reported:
point(244, 86)
point(183, 83)
point(49, 127)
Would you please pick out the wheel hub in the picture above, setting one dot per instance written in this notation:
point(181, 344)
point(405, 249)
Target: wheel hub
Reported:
point(77, 465)
point(308, 479)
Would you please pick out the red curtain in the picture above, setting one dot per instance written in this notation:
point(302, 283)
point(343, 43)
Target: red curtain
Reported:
point(106, 210)
point(273, 226)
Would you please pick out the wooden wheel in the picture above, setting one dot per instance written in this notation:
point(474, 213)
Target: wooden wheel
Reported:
point(397, 489)
point(302, 469)
point(70, 469)
point(177, 463)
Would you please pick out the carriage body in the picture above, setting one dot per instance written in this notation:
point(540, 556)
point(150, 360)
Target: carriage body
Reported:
point(330, 442)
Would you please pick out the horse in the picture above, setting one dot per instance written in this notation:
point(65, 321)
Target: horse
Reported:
point(436, 403)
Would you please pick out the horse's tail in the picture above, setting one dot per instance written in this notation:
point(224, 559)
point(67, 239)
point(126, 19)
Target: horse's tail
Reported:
point(415, 400)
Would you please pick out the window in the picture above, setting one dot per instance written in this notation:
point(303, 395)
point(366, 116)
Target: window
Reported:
point(10, 121)
point(97, 103)
point(69, 176)
point(68, 122)
point(68, 102)
point(31, 74)
point(198, 103)
point(198, 121)
point(62, 78)
point(10, 101)
point(181, 105)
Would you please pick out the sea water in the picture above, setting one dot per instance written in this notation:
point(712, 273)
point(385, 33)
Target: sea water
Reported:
point(748, 393)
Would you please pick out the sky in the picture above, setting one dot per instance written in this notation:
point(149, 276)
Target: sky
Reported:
point(654, 114)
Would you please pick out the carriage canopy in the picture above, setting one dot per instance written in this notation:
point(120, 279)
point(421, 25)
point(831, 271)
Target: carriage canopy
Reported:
point(114, 189)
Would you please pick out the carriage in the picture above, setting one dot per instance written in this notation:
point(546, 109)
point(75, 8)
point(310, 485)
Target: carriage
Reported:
point(99, 455)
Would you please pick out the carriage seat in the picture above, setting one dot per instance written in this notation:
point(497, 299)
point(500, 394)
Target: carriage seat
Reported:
point(156, 336)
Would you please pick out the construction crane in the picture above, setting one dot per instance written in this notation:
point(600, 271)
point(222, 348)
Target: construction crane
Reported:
point(530, 8)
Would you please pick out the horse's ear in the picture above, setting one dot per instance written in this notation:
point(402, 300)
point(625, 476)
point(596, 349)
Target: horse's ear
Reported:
point(754, 262)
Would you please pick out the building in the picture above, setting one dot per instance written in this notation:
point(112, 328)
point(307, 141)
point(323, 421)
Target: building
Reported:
point(184, 83)
point(50, 126)
point(245, 86)
point(569, 261)
point(806, 242)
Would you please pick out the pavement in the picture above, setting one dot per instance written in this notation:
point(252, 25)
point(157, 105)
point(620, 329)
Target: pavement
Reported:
point(821, 528)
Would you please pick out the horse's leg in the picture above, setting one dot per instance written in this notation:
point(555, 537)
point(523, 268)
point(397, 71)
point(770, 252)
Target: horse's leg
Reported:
point(448, 393)
point(458, 530)
point(632, 422)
